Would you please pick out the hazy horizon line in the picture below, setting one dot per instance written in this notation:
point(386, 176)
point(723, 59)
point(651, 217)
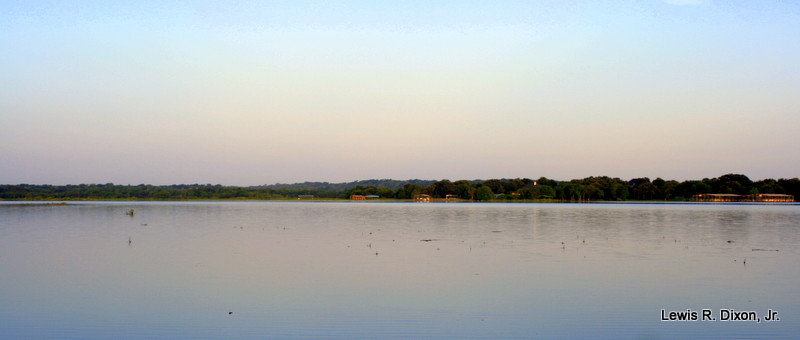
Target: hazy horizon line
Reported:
point(400, 180)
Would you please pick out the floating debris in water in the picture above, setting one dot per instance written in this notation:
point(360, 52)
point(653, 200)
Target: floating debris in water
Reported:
point(129, 213)
point(729, 241)
point(760, 249)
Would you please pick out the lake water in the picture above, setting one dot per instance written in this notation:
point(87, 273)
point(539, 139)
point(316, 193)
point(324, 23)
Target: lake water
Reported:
point(395, 270)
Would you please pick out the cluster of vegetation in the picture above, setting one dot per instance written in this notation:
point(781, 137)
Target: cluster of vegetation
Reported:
point(590, 188)
point(112, 191)
point(326, 186)
point(587, 189)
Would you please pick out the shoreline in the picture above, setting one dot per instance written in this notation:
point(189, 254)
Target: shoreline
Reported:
point(45, 202)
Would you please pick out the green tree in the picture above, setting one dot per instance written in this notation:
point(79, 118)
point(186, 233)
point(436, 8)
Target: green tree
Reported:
point(731, 184)
point(688, 189)
point(384, 192)
point(495, 185)
point(790, 187)
point(670, 188)
point(545, 191)
point(768, 186)
point(441, 189)
point(512, 185)
point(464, 190)
point(408, 191)
point(643, 189)
point(546, 181)
point(484, 193)
point(526, 193)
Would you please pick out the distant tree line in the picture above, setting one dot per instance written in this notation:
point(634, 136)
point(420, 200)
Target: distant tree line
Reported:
point(586, 189)
point(326, 186)
point(112, 191)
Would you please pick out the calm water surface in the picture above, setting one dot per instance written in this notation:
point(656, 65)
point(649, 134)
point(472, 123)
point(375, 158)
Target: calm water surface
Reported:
point(395, 270)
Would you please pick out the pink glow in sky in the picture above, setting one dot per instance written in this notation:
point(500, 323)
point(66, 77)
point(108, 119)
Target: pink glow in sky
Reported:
point(247, 93)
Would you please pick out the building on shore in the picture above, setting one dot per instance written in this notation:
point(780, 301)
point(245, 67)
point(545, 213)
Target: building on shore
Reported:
point(770, 198)
point(422, 198)
point(743, 198)
point(717, 198)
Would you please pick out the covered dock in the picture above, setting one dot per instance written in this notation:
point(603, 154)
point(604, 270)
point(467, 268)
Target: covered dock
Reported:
point(770, 198)
point(717, 198)
point(743, 198)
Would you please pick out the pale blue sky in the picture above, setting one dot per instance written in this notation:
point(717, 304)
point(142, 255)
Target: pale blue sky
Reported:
point(247, 93)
